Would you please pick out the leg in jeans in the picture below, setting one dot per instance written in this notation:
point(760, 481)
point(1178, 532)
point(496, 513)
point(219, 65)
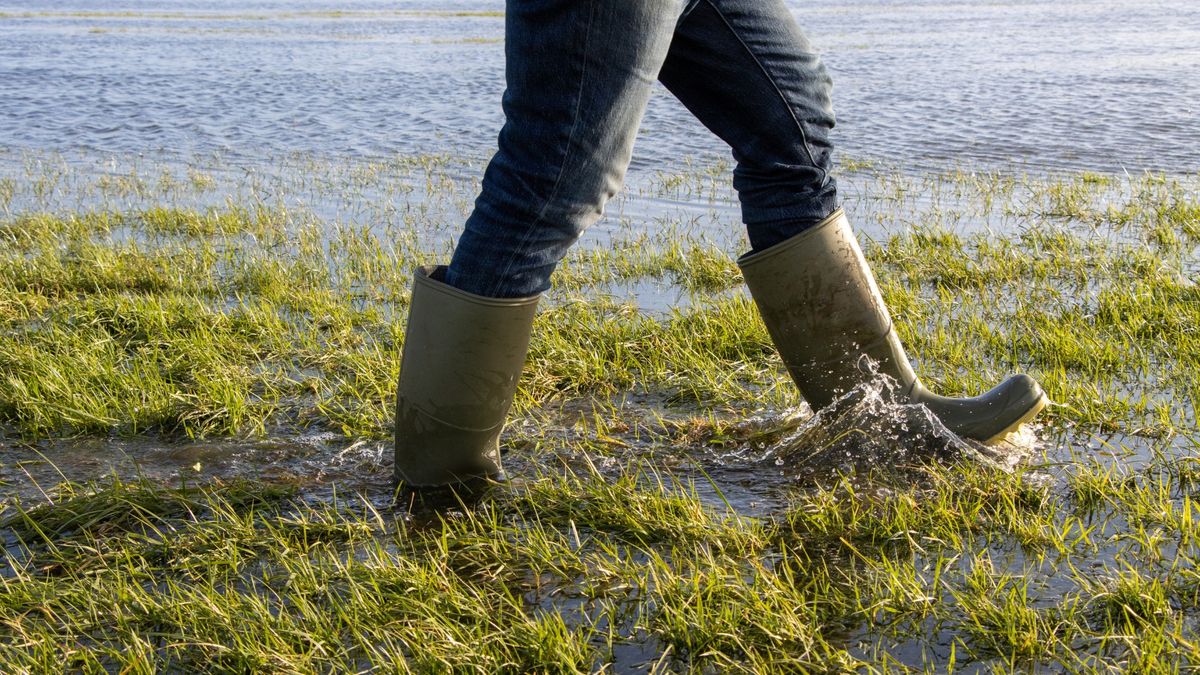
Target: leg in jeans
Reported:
point(747, 72)
point(579, 74)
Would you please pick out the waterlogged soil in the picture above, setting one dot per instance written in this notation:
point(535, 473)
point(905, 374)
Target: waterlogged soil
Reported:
point(1036, 219)
point(291, 284)
point(755, 470)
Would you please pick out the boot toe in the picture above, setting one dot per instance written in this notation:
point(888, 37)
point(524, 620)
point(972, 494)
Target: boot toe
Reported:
point(1006, 407)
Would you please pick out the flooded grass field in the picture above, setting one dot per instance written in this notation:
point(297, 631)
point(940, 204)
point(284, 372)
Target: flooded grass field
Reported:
point(199, 390)
point(200, 336)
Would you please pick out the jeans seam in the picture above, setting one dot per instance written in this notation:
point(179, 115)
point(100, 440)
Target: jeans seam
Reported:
point(774, 85)
point(562, 169)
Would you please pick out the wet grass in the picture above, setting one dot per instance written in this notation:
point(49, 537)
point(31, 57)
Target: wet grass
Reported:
point(174, 307)
point(566, 571)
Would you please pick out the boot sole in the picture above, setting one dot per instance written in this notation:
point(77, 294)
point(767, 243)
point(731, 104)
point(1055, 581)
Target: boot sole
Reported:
point(1036, 408)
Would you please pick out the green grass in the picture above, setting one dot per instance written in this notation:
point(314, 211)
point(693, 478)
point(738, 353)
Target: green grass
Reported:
point(176, 306)
point(563, 572)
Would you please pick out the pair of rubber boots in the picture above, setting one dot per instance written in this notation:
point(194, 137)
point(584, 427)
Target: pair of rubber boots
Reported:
point(463, 355)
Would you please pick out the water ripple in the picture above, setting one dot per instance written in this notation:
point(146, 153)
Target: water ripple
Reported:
point(1091, 84)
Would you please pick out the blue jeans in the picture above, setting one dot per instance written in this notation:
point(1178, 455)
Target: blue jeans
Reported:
point(579, 74)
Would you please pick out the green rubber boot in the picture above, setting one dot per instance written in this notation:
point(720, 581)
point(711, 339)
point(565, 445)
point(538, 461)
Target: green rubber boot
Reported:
point(463, 355)
point(824, 312)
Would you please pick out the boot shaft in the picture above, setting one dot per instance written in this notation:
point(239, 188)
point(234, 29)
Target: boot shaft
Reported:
point(463, 356)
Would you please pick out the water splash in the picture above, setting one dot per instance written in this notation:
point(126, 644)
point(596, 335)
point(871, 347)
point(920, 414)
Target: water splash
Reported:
point(871, 427)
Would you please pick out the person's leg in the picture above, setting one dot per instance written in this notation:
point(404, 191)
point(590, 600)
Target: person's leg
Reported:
point(579, 74)
point(746, 71)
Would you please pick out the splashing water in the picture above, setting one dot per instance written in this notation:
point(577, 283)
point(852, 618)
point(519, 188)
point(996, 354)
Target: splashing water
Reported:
point(871, 427)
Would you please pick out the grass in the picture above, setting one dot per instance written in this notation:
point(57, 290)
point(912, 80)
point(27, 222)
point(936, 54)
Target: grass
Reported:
point(280, 325)
point(181, 303)
point(560, 575)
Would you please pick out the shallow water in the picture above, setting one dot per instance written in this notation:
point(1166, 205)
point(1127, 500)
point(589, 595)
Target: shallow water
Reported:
point(1100, 85)
point(756, 472)
point(345, 114)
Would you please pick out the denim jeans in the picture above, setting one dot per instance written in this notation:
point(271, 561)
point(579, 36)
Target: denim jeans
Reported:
point(579, 74)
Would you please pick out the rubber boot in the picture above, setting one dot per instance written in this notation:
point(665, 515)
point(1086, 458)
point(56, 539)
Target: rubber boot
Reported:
point(463, 355)
point(824, 312)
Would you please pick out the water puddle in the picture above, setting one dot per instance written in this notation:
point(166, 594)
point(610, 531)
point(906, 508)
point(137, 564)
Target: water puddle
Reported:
point(317, 463)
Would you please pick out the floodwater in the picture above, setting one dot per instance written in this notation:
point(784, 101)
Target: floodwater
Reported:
point(340, 112)
point(1100, 85)
point(296, 103)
